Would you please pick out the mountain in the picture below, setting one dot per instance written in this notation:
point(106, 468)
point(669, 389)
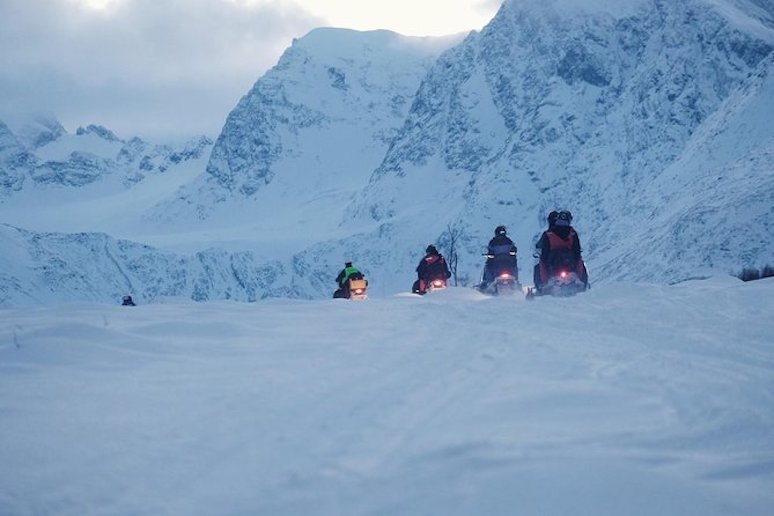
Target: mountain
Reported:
point(40, 131)
point(15, 162)
point(365, 81)
point(314, 126)
point(593, 106)
point(589, 106)
point(40, 267)
point(88, 181)
point(648, 119)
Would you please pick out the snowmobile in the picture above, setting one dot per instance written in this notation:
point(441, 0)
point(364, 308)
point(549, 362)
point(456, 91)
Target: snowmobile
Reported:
point(422, 287)
point(504, 284)
point(505, 280)
point(355, 289)
point(563, 283)
point(436, 284)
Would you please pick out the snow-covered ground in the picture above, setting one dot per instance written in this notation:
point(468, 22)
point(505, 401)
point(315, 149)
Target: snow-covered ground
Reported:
point(628, 399)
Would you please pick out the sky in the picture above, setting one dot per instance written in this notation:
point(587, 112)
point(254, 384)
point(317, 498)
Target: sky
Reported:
point(175, 68)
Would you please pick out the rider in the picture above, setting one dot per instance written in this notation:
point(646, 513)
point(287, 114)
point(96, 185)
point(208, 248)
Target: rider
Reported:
point(551, 221)
point(348, 272)
point(432, 267)
point(559, 245)
point(501, 254)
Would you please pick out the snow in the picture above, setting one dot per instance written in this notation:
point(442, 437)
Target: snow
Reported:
point(634, 399)
point(617, 8)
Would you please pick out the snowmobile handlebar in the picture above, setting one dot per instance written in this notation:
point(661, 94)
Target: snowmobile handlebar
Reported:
point(490, 256)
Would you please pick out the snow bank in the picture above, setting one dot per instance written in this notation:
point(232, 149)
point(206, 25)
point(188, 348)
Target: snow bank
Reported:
point(628, 399)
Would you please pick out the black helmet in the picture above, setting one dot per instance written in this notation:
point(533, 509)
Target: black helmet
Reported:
point(500, 230)
point(347, 264)
point(552, 217)
point(564, 218)
point(431, 249)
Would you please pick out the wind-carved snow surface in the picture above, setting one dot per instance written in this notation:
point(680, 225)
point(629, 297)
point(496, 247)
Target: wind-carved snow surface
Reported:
point(449, 404)
point(649, 120)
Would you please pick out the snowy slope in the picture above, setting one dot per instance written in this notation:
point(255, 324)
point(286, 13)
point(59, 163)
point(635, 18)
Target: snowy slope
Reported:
point(714, 206)
point(586, 108)
point(91, 180)
point(305, 138)
point(645, 400)
point(40, 268)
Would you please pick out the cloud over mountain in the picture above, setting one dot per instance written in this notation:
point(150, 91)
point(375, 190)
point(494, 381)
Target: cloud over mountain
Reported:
point(185, 66)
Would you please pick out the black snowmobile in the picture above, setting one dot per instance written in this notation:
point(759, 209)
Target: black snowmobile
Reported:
point(505, 273)
point(563, 281)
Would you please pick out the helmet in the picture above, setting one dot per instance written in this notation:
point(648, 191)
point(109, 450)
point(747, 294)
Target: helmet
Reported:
point(499, 230)
point(431, 249)
point(552, 217)
point(564, 218)
point(347, 264)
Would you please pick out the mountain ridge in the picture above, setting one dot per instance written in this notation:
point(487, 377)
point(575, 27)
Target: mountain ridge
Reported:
point(612, 113)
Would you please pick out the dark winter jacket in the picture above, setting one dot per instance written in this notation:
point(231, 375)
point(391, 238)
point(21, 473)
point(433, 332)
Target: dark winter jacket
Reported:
point(346, 273)
point(433, 266)
point(501, 244)
point(559, 240)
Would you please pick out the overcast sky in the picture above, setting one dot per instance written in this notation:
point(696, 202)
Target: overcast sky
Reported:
point(173, 68)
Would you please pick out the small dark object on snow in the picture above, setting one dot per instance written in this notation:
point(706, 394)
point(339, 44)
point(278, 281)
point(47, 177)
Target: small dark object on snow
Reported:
point(127, 301)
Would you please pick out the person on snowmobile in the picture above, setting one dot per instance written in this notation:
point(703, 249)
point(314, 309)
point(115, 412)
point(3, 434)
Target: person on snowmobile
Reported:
point(559, 245)
point(432, 267)
point(127, 301)
point(551, 219)
point(501, 255)
point(348, 272)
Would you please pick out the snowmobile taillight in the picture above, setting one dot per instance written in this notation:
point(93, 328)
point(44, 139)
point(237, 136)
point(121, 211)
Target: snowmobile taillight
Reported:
point(563, 274)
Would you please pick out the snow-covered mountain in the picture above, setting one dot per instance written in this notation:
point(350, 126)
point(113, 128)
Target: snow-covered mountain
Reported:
point(15, 162)
point(61, 267)
point(648, 119)
point(313, 127)
point(43, 154)
point(599, 107)
point(91, 180)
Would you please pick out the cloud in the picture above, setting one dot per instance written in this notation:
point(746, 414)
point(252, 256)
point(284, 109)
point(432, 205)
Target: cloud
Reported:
point(173, 68)
point(410, 17)
point(150, 67)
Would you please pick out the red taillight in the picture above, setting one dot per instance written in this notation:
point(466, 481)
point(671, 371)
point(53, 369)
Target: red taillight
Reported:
point(563, 274)
point(438, 283)
point(358, 291)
